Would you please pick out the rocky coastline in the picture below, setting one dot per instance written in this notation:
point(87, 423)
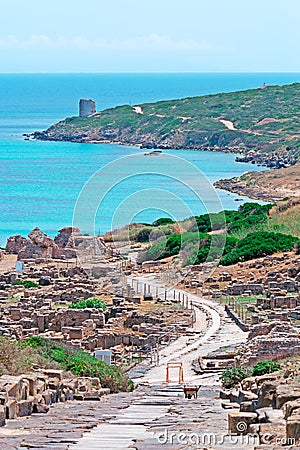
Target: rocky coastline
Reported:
point(270, 160)
point(255, 192)
point(269, 185)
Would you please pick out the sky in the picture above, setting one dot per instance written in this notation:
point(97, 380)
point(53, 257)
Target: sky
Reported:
point(149, 36)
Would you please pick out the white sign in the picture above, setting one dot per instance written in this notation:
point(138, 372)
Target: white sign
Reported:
point(19, 267)
point(103, 355)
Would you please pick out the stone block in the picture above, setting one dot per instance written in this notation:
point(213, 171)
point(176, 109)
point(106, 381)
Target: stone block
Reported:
point(290, 407)
point(246, 396)
point(272, 433)
point(11, 409)
point(286, 393)
point(51, 373)
point(2, 416)
point(246, 407)
point(47, 397)
point(40, 408)
point(25, 408)
point(293, 427)
point(239, 422)
point(224, 395)
point(266, 395)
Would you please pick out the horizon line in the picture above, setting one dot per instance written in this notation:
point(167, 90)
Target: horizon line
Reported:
point(150, 73)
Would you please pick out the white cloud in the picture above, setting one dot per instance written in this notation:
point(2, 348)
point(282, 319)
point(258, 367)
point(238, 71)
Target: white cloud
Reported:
point(152, 42)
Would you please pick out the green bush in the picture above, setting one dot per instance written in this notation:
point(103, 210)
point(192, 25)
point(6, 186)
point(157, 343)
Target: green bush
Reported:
point(234, 375)
point(90, 303)
point(162, 221)
point(143, 234)
point(258, 244)
point(80, 363)
point(211, 248)
point(26, 283)
point(174, 243)
point(264, 367)
point(248, 216)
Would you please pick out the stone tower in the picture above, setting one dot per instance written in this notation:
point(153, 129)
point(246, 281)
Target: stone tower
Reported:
point(86, 107)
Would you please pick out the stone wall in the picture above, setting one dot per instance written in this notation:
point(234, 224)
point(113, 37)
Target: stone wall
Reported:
point(26, 394)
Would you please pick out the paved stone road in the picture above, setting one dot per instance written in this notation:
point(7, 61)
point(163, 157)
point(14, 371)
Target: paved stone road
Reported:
point(160, 412)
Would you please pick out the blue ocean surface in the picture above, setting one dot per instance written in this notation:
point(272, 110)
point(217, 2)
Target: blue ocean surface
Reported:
point(41, 181)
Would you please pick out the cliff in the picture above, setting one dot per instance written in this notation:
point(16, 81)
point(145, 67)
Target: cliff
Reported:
point(262, 124)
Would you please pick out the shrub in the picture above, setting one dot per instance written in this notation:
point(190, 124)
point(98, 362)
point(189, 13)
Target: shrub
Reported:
point(80, 363)
point(249, 215)
point(90, 303)
point(171, 245)
point(258, 244)
point(263, 367)
point(143, 234)
point(234, 375)
point(213, 247)
point(162, 221)
point(26, 283)
point(203, 223)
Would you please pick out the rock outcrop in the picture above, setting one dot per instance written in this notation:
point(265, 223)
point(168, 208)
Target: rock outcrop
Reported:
point(15, 243)
point(65, 238)
point(40, 245)
point(69, 243)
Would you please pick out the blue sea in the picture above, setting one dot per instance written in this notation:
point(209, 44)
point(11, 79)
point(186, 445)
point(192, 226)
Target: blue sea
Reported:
point(40, 182)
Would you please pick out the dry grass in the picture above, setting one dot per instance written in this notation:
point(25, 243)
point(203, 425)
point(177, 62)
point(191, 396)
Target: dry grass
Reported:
point(15, 360)
point(285, 217)
point(279, 183)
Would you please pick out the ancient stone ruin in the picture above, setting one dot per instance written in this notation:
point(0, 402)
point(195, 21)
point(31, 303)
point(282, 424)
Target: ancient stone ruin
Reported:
point(68, 244)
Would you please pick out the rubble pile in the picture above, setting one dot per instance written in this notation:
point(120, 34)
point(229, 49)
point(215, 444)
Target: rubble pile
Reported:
point(267, 406)
point(270, 341)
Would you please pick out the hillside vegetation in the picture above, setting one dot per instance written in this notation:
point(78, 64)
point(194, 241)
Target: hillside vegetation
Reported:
point(264, 124)
point(249, 233)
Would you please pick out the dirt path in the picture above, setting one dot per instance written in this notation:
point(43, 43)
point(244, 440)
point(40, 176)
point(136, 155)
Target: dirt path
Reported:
point(8, 263)
point(228, 124)
point(138, 109)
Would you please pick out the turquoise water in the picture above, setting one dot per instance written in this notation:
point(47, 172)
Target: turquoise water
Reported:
point(40, 181)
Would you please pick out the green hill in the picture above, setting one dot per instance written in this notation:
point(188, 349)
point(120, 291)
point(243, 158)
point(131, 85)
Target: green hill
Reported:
point(263, 124)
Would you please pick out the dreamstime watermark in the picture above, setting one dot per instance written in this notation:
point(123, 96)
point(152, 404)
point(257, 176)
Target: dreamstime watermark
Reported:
point(155, 183)
point(195, 439)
